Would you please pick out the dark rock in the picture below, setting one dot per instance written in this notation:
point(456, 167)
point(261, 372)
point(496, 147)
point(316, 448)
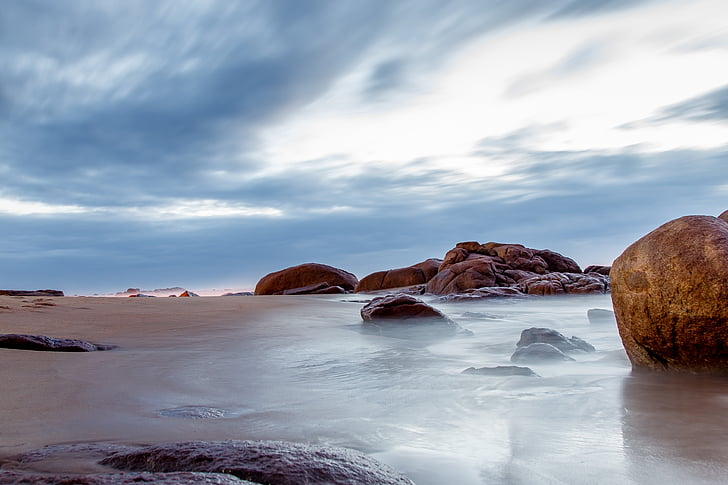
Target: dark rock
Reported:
point(400, 307)
point(599, 316)
point(302, 290)
point(239, 293)
point(302, 276)
point(10, 477)
point(31, 293)
point(195, 412)
point(557, 263)
point(416, 274)
point(473, 271)
point(539, 352)
point(49, 344)
point(563, 283)
point(270, 462)
point(480, 293)
point(330, 290)
point(669, 294)
point(141, 295)
point(595, 268)
point(549, 336)
point(501, 370)
point(188, 294)
point(723, 216)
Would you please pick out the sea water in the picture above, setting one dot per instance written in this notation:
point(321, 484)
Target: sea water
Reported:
point(311, 373)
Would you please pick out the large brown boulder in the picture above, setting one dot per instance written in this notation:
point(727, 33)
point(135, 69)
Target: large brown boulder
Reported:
point(723, 216)
point(416, 274)
point(291, 280)
point(669, 291)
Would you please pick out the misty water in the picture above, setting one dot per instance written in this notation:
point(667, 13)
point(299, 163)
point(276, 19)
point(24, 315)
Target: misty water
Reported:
point(308, 372)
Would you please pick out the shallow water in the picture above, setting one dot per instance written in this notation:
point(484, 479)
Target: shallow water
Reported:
point(309, 373)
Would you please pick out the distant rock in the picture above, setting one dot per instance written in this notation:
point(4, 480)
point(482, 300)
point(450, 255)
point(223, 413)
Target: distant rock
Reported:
point(595, 268)
point(48, 344)
point(416, 274)
point(31, 293)
point(501, 370)
point(188, 294)
point(270, 462)
point(539, 352)
point(563, 283)
point(305, 275)
point(141, 295)
point(600, 316)
point(550, 336)
point(239, 293)
point(670, 290)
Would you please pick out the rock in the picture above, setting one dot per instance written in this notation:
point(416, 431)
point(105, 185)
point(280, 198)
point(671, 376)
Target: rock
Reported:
point(595, 268)
point(270, 462)
point(31, 293)
point(723, 216)
point(501, 370)
point(550, 336)
point(539, 352)
point(49, 344)
point(400, 307)
point(417, 274)
point(558, 263)
point(561, 283)
point(304, 275)
point(669, 294)
point(10, 477)
point(480, 293)
point(599, 316)
point(330, 290)
point(476, 271)
point(188, 294)
point(141, 295)
point(302, 290)
point(239, 293)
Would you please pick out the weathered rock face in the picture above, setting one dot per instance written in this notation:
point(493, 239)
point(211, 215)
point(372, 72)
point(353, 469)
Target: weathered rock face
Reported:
point(9, 477)
point(538, 352)
point(501, 370)
point(305, 275)
point(397, 278)
point(669, 291)
point(723, 216)
point(471, 265)
point(400, 307)
point(561, 283)
point(596, 268)
point(551, 336)
point(49, 344)
point(31, 293)
point(270, 462)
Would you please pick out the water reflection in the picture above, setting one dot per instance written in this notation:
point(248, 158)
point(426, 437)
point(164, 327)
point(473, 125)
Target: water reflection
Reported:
point(675, 427)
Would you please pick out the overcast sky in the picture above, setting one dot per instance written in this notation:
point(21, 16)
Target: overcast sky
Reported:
point(204, 144)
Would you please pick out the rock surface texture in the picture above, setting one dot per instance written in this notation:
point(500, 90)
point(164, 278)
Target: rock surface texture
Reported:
point(400, 307)
point(538, 352)
point(670, 290)
point(550, 336)
point(269, 462)
point(31, 293)
point(416, 274)
point(302, 278)
point(48, 344)
point(9, 477)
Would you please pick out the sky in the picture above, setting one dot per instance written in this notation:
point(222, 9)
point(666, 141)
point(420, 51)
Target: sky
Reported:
point(206, 143)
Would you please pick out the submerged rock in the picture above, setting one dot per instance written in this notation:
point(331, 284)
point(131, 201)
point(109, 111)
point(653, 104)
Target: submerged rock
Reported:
point(305, 275)
point(550, 336)
point(670, 290)
point(10, 477)
point(600, 316)
point(48, 344)
point(539, 352)
point(501, 370)
point(400, 307)
point(269, 462)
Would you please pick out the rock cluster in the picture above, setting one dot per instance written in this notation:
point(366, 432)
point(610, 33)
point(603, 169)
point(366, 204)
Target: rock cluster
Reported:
point(545, 344)
point(669, 294)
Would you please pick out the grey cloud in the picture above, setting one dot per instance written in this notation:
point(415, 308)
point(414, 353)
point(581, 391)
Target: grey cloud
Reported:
point(581, 8)
point(712, 106)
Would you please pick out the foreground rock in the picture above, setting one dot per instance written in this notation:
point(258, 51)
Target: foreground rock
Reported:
point(48, 344)
point(269, 462)
point(31, 293)
point(405, 316)
point(416, 274)
point(539, 353)
point(670, 290)
point(9, 477)
point(299, 279)
point(501, 370)
point(550, 336)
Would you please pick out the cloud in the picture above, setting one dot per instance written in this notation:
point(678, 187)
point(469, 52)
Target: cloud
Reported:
point(712, 106)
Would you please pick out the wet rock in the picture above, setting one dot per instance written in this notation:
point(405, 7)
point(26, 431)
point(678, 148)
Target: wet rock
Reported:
point(304, 275)
point(400, 307)
point(549, 336)
point(31, 293)
point(539, 352)
point(270, 462)
point(600, 316)
point(239, 293)
point(595, 268)
point(480, 293)
point(669, 294)
point(10, 477)
point(474, 271)
point(48, 344)
point(563, 283)
point(194, 412)
point(417, 274)
point(501, 370)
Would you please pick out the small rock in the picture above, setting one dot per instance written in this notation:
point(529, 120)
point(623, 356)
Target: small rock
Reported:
point(600, 315)
point(501, 370)
point(550, 336)
point(31, 293)
point(48, 344)
point(10, 477)
point(539, 352)
point(400, 307)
